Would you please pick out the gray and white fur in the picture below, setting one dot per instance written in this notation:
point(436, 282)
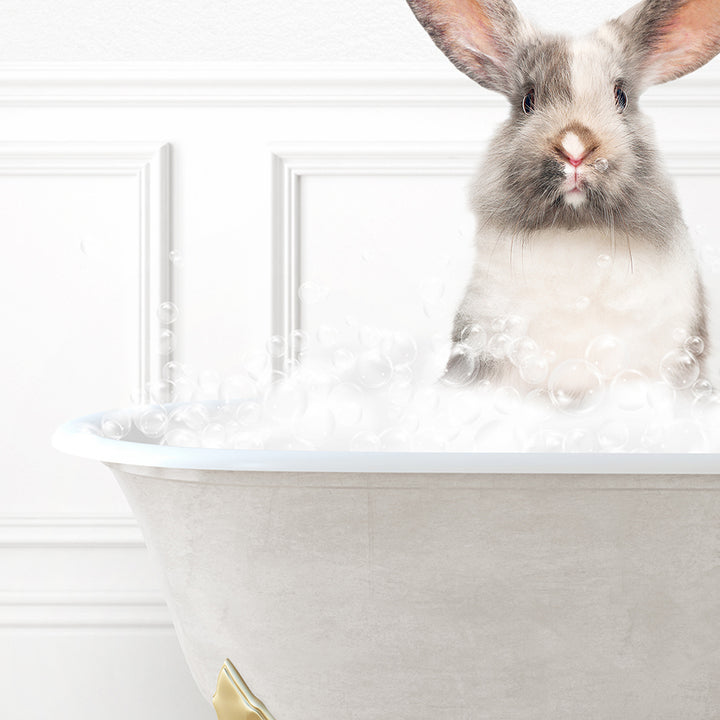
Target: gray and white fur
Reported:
point(567, 247)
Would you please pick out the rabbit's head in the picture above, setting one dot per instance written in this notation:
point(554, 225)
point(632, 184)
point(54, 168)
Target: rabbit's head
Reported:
point(576, 149)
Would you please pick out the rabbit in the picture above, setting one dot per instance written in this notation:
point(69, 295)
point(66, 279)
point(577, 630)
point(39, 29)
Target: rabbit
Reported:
point(580, 248)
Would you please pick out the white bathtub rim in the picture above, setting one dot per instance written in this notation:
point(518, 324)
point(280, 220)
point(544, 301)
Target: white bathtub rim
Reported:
point(72, 438)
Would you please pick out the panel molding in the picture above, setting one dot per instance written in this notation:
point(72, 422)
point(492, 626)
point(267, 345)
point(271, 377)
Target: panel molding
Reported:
point(292, 163)
point(434, 84)
point(82, 610)
point(70, 608)
point(149, 164)
point(49, 532)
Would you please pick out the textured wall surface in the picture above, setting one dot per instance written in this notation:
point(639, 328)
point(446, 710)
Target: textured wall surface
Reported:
point(80, 604)
point(243, 30)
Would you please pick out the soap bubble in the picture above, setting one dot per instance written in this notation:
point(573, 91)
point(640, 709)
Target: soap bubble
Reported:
point(176, 258)
point(653, 438)
point(661, 396)
point(343, 360)
point(466, 406)
point(604, 261)
point(276, 346)
point(183, 389)
point(87, 428)
point(497, 325)
point(409, 421)
point(581, 303)
point(246, 441)
point(630, 390)
point(474, 337)
point(166, 342)
point(294, 444)
point(286, 399)
point(395, 439)
point(167, 313)
point(402, 374)
point(545, 441)
point(327, 336)
point(116, 424)
point(702, 389)
point(425, 441)
point(213, 435)
point(374, 369)
point(238, 387)
point(152, 420)
point(497, 435)
point(684, 436)
point(575, 386)
point(193, 416)
point(427, 400)
point(161, 391)
point(316, 425)
point(601, 165)
point(694, 345)
point(608, 354)
point(208, 385)
point(506, 400)
point(580, 440)
point(365, 441)
point(613, 435)
point(679, 369)
point(369, 336)
point(534, 369)
point(521, 348)
point(400, 348)
point(346, 403)
point(248, 413)
point(180, 437)
point(173, 370)
point(312, 293)
point(499, 345)
point(515, 326)
point(462, 366)
point(400, 392)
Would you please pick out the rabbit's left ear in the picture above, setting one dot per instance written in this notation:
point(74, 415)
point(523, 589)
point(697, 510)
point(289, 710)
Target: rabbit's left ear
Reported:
point(673, 37)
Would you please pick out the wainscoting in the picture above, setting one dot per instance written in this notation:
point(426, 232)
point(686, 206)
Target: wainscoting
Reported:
point(221, 189)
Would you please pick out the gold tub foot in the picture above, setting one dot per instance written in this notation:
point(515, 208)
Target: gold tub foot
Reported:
point(233, 700)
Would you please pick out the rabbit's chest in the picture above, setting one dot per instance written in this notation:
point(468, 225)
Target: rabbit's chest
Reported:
point(570, 288)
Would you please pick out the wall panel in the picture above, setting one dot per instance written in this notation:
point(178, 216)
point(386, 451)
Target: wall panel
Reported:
point(349, 177)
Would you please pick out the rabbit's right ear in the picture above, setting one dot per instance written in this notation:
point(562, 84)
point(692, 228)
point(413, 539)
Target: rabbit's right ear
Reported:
point(478, 36)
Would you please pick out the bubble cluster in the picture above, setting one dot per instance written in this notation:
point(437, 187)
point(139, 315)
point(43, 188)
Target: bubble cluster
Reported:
point(362, 388)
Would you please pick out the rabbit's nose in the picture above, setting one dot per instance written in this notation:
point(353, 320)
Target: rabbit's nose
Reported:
point(575, 143)
point(574, 161)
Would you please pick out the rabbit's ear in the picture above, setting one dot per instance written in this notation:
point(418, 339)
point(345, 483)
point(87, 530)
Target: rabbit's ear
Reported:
point(673, 37)
point(479, 36)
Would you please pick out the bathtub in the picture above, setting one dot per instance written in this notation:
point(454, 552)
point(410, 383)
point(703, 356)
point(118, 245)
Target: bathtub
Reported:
point(416, 586)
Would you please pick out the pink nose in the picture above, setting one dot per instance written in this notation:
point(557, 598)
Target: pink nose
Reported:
point(574, 161)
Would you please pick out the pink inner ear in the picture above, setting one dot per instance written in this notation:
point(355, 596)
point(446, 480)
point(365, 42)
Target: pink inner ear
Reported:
point(468, 24)
point(690, 39)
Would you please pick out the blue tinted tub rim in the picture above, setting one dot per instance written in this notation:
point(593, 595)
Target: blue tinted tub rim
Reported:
point(72, 438)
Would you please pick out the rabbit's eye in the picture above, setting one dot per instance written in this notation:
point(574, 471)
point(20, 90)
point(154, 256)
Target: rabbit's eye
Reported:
point(528, 104)
point(621, 98)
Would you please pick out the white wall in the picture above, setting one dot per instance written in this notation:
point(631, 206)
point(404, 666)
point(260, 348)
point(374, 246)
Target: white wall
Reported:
point(106, 168)
point(316, 31)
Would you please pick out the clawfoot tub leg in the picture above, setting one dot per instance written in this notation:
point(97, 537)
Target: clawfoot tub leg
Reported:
point(233, 699)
